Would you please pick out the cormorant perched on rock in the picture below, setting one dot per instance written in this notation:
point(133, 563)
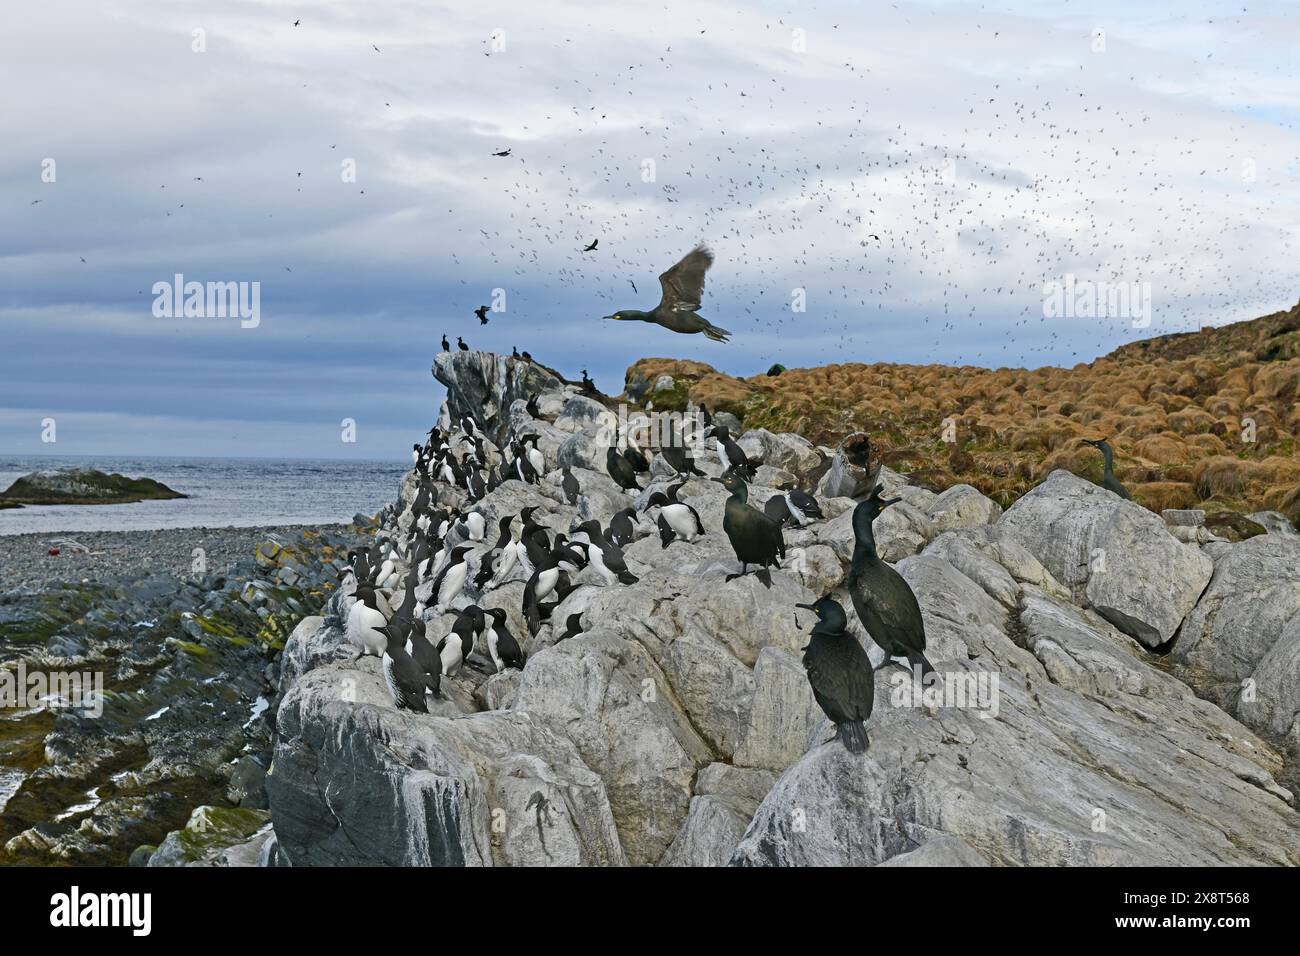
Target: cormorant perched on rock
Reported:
point(840, 673)
point(620, 469)
point(1108, 479)
point(683, 286)
point(446, 346)
point(460, 344)
point(755, 537)
point(883, 601)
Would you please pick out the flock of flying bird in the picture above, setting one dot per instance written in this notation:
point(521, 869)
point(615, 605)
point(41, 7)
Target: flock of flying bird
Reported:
point(439, 543)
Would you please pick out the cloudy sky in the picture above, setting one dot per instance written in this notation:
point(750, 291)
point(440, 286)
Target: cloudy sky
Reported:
point(879, 181)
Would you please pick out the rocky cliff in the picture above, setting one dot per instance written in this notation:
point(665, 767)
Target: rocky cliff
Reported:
point(1115, 690)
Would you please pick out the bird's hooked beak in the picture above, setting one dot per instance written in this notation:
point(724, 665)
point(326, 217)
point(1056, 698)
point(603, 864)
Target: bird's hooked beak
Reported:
point(615, 316)
point(808, 607)
point(886, 502)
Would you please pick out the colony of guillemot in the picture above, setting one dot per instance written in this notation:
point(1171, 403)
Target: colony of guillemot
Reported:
point(443, 547)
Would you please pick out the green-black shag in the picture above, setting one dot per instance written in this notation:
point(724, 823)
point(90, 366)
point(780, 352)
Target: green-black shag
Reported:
point(620, 469)
point(683, 287)
point(755, 537)
point(883, 601)
point(1108, 479)
point(840, 673)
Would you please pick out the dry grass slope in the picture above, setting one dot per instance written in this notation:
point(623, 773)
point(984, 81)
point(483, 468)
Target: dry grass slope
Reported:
point(1180, 410)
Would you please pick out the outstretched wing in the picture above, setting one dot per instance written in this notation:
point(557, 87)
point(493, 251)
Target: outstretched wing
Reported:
point(683, 284)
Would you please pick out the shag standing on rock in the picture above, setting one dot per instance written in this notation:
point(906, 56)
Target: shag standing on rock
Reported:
point(840, 673)
point(755, 537)
point(1108, 479)
point(620, 469)
point(883, 601)
point(683, 287)
point(446, 346)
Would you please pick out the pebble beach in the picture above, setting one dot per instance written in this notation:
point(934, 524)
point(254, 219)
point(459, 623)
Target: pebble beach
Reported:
point(95, 556)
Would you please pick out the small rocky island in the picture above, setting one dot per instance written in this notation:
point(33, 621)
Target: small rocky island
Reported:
point(82, 486)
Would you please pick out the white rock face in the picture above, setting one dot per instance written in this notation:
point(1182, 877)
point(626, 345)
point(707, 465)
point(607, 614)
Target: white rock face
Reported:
point(1121, 556)
point(1239, 645)
point(679, 728)
point(962, 506)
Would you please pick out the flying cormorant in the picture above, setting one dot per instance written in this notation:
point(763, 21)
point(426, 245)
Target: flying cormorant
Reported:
point(683, 286)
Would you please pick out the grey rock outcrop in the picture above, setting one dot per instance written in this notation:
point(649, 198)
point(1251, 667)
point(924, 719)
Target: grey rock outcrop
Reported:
point(679, 729)
point(484, 386)
point(1119, 556)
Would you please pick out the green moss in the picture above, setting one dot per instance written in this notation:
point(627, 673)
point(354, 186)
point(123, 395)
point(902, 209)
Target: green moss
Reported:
point(217, 827)
point(91, 488)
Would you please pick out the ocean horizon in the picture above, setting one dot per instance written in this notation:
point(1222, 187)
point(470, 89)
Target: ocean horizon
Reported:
point(223, 492)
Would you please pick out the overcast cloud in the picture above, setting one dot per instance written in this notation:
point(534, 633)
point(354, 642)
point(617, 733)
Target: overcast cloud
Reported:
point(919, 170)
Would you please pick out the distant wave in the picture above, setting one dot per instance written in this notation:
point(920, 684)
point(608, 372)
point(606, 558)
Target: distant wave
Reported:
point(224, 492)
